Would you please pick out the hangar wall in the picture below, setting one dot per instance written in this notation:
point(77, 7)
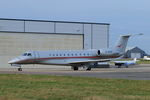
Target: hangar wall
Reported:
point(18, 36)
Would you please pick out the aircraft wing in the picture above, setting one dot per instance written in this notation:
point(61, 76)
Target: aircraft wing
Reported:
point(88, 61)
point(119, 61)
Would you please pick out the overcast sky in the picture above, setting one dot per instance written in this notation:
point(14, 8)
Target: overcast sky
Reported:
point(124, 16)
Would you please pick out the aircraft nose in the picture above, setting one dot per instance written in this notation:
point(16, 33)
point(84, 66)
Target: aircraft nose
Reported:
point(14, 61)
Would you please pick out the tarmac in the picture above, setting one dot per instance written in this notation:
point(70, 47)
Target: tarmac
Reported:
point(137, 72)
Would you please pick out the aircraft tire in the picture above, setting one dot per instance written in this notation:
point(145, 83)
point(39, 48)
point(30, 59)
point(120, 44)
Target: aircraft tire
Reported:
point(75, 68)
point(19, 69)
point(119, 66)
point(88, 69)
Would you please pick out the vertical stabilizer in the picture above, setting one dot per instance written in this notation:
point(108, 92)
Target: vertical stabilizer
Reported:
point(122, 43)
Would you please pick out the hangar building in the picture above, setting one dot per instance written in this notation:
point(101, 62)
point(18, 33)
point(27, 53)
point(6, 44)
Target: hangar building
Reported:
point(135, 52)
point(18, 36)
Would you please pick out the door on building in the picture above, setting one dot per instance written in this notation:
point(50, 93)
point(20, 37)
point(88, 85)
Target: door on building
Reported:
point(135, 55)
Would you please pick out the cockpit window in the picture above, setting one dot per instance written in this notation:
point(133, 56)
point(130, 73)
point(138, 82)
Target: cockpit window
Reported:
point(27, 54)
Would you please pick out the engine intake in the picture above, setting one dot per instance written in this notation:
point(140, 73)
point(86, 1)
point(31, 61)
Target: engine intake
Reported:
point(98, 52)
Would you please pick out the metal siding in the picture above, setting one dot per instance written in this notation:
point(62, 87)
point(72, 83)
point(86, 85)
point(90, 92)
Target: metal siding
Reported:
point(87, 36)
point(107, 36)
point(12, 25)
point(100, 36)
point(135, 55)
point(44, 27)
point(71, 28)
point(13, 45)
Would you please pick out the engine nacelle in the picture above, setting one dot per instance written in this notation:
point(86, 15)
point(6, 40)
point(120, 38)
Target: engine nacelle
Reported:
point(105, 52)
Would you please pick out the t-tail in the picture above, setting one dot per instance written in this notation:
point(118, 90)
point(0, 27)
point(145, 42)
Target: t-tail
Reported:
point(122, 43)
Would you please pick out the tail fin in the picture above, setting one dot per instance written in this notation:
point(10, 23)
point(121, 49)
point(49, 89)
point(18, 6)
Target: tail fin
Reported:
point(122, 43)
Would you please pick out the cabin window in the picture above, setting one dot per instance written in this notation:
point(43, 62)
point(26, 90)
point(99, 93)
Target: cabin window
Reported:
point(68, 54)
point(60, 54)
point(49, 54)
point(64, 55)
point(53, 54)
point(76, 54)
point(56, 54)
point(72, 54)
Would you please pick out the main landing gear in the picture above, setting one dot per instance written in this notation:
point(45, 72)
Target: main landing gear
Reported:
point(88, 69)
point(119, 66)
point(75, 68)
point(19, 69)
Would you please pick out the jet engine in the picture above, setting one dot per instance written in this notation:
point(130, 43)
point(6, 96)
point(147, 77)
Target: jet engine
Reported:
point(98, 52)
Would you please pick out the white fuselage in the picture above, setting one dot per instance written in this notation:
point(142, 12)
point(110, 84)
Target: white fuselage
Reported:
point(62, 57)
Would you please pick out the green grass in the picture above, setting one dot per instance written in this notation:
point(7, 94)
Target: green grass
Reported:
point(44, 87)
point(144, 62)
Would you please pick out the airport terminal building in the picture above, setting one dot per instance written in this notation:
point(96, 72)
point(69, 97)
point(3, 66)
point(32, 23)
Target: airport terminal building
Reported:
point(19, 35)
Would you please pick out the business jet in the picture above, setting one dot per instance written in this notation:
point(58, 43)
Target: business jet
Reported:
point(73, 58)
point(126, 63)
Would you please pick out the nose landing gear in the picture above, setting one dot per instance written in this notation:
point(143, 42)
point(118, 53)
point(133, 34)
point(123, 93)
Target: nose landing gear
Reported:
point(17, 65)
